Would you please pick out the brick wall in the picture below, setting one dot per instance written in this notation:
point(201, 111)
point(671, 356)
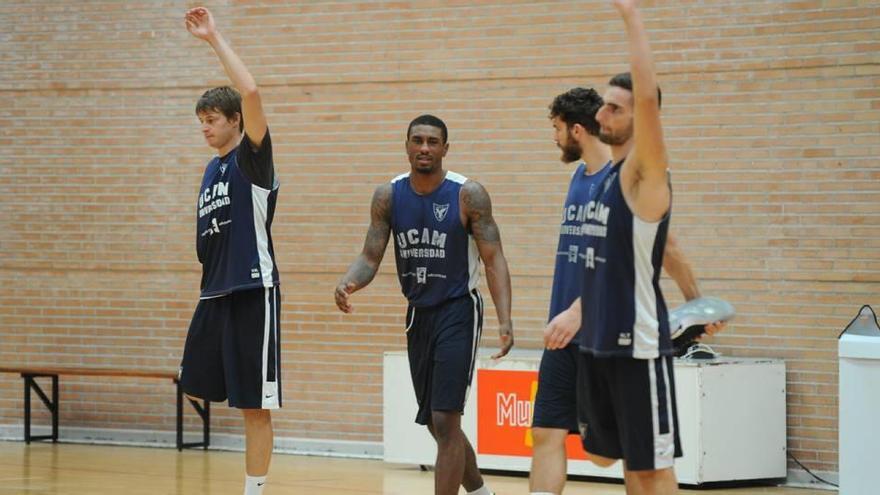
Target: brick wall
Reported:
point(771, 112)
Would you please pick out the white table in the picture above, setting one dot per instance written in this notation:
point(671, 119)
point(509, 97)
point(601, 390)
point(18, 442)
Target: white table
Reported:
point(731, 418)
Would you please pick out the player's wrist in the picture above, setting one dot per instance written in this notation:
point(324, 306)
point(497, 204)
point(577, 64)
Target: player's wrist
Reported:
point(214, 39)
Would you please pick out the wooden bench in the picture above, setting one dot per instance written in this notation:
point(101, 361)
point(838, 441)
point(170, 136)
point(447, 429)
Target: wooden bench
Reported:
point(31, 373)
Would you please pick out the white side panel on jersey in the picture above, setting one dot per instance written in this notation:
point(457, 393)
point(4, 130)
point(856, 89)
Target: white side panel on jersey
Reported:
point(455, 177)
point(473, 252)
point(646, 330)
point(260, 199)
point(399, 177)
point(473, 264)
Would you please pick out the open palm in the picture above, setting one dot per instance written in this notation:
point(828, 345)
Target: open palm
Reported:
point(200, 22)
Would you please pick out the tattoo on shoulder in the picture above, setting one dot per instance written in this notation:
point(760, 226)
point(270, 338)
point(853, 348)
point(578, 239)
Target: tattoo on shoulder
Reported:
point(380, 223)
point(478, 208)
point(381, 205)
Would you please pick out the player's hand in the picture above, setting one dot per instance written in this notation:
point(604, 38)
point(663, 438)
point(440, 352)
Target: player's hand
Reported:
point(341, 294)
point(625, 7)
point(712, 328)
point(562, 329)
point(505, 336)
point(200, 23)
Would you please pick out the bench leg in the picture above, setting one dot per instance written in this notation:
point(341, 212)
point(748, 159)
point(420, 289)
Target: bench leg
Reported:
point(206, 425)
point(179, 416)
point(30, 383)
point(204, 412)
point(55, 408)
point(27, 409)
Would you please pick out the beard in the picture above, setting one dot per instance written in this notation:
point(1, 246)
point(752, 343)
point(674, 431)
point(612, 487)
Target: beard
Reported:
point(424, 169)
point(571, 151)
point(612, 139)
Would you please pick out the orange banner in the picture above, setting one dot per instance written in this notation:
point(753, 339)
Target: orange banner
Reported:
point(505, 403)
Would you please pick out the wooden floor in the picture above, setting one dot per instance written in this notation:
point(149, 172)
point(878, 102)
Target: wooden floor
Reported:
point(70, 469)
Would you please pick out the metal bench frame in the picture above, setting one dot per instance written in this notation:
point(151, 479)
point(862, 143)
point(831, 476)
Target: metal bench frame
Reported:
point(30, 376)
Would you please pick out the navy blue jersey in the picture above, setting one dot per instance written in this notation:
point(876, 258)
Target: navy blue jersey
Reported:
point(570, 253)
point(624, 313)
point(437, 258)
point(233, 221)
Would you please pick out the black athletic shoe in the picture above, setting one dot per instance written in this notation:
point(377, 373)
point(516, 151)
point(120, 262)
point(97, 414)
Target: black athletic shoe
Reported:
point(688, 321)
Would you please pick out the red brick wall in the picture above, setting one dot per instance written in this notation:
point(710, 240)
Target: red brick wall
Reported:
point(771, 112)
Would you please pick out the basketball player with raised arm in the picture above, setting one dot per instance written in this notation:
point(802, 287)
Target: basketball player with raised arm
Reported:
point(626, 393)
point(232, 347)
point(573, 115)
point(442, 226)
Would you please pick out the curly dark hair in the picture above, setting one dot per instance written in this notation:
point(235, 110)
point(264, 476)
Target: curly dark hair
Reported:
point(578, 106)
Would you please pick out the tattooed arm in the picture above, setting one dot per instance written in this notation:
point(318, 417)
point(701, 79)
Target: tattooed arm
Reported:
point(364, 268)
point(477, 209)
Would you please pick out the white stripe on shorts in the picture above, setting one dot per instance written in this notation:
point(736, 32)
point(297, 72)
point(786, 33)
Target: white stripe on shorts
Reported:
point(270, 328)
point(664, 443)
point(475, 344)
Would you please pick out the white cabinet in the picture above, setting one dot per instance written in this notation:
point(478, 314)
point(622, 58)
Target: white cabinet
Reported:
point(731, 418)
point(859, 398)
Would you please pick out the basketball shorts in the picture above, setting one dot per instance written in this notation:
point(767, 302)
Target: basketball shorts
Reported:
point(442, 343)
point(556, 399)
point(626, 410)
point(233, 350)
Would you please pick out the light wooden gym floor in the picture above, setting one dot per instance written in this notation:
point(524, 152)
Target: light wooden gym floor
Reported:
point(71, 469)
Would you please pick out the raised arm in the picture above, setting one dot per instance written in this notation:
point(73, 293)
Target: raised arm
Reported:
point(200, 23)
point(365, 266)
point(643, 176)
point(477, 208)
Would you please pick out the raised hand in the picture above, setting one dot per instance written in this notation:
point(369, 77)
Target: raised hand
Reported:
point(625, 6)
point(200, 23)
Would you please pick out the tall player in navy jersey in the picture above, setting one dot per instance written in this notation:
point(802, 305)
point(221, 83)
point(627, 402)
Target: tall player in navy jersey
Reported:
point(573, 115)
point(442, 227)
point(232, 347)
point(626, 393)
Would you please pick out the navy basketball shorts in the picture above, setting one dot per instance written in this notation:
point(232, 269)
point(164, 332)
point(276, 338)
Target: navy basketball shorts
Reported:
point(233, 350)
point(556, 400)
point(442, 344)
point(626, 410)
